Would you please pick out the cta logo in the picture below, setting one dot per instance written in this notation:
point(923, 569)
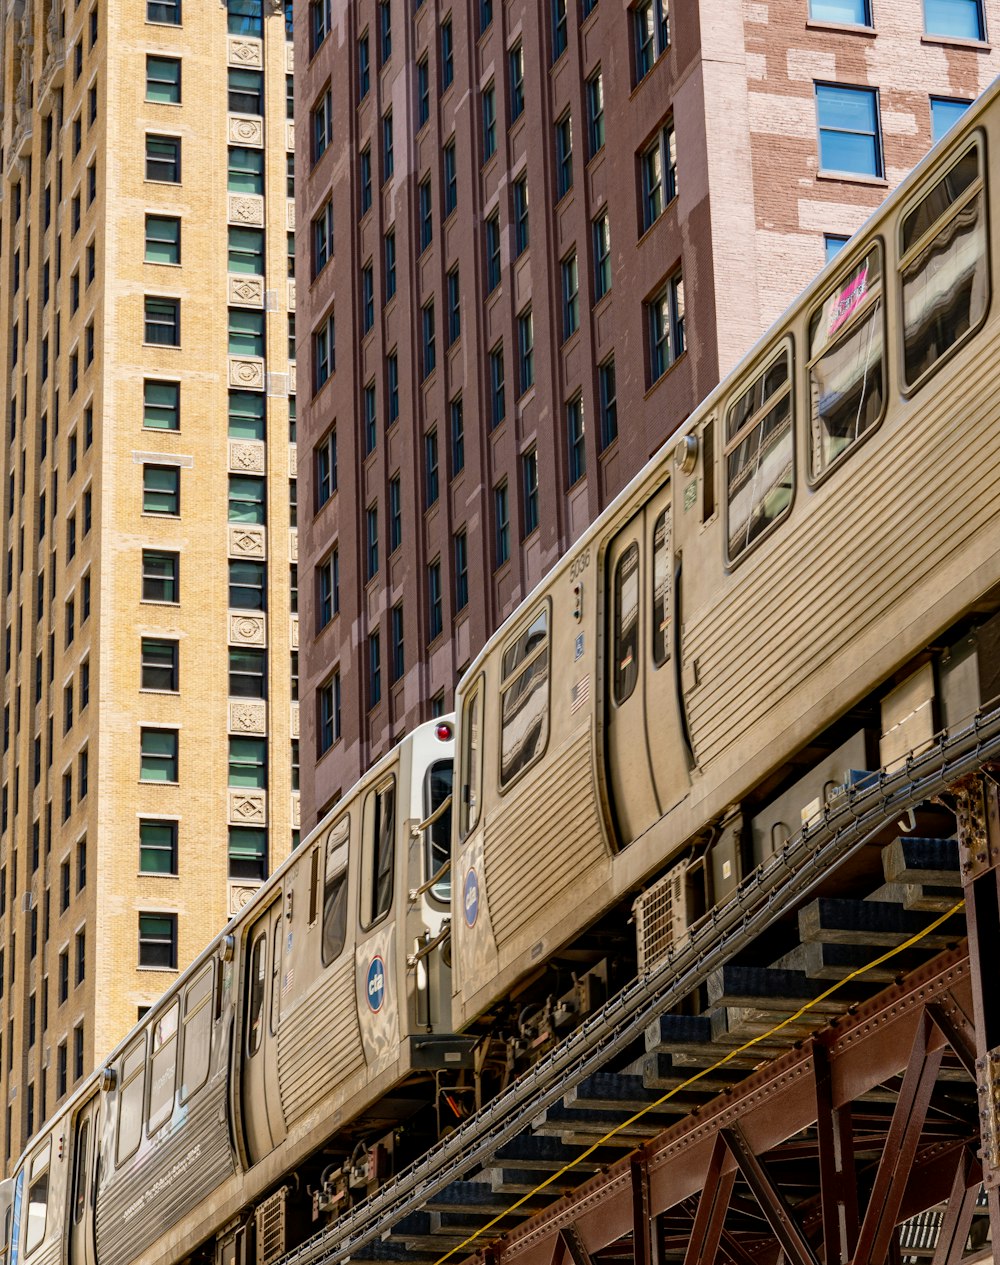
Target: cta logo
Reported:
point(375, 985)
point(470, 898)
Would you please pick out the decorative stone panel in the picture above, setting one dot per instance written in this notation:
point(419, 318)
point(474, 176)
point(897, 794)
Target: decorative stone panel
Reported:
point(247, 373)
point(293, 460)
point(293, 544)
point(290, 58)
point(240, 895)
point(295, 632)
point(291, 378)
point(290, 215)
point(290, 137)
point(247, 808)
point(246, 291)
point(247, 630)
point(293, 724)
point(291, 296)
point(246, 53)
point(247, 716)
point(244, 130)
point(296, 813)
point(246, 456)
point(246, 208)
point(248, 542)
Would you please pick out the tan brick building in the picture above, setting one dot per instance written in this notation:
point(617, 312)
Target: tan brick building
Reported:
point(542, 231)
point(148, 475)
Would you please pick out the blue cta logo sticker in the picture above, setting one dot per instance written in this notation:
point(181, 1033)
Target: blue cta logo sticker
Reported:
point(376, 984)
point(470, 898)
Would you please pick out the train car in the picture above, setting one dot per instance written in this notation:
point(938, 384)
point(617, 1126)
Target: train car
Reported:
point(323, 1009)
point(771, 608)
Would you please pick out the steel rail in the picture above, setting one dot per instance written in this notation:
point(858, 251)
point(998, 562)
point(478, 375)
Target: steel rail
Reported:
point(786, 878)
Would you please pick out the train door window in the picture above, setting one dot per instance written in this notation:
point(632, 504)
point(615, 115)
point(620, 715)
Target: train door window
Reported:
point(163, 1067)
point(335, 891)
point(846, 363)
point(255, 998)
point(626, 641)
point(437, 836)
point(524, 699)
point(38, 1198)
point(380, 825)
point(314, 886)
point(131, 1099)
point(943, 268)
point(471, 738)
point(661, 589)
point(275, 982)
point(5, 1241)
point(81, 1162)
point(759, 456)
point(196, 1054)
point(708, 471)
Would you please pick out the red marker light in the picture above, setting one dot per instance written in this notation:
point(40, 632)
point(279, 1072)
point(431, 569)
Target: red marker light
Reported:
point(443, 732)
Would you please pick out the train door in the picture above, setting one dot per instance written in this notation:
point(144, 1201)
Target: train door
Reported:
point(82, 1246)
point(378, 987)
point(262, 1118)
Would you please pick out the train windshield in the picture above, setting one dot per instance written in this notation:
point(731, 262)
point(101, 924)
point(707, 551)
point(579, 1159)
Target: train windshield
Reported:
point(437, 836)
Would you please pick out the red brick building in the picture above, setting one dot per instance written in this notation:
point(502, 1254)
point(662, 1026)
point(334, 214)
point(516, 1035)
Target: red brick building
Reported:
point(532, 236)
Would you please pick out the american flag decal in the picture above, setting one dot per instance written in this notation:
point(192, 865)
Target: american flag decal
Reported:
point(581, 693)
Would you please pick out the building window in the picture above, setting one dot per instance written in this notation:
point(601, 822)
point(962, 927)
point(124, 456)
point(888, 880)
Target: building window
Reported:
point(167, 12)
point(245, 17)
point(374, 669)
point(247, 417)
point(159, 664)
point(493, 251)
point(162, 321)
point(161, 489)
point(570, 296)
point(245, 90)
point(370, 419)
point(450, 179)
point(485, 15)
point(160, 576)
point(364, 66)
point(447, 54)
point(435, 601)
point(423, 92)
point(387, 154)
point(595, 113)
point(431, 482)
point(246, 332)
point(247, 673)
point(371, 542)
point(384, 32)
point(665, 317)
point(833, 243)
point(322, 125)
point(247, 498)
point(529, 487)
point(515, 63)
point(428, 355)
point(564, 155)
point(424, 215)
point(501, 525)
point(163, 159)
point(327, 589)
point(248, 763)
point(457, 436)
point(843, 12)
point(608, 401)
point(602, 256)
point(161, 405)
point(849, 137)
point(328, 713)
point(320, 22)
point(658, 170)
point(461, 570)
point(525, 351)
point(157, 942)
point(395, 514)
point(163, 79)
point(651, 28)
point(497, 393)
point(367, 298)
point(158, 760)
point(247, 585)
point(454, 296)
point(489, 122)
point(390, 264)
point(246, 251)
point(365, 178)
point(326, 468)
point(559, 29)
point(158, 847)
point(520, 215)
point(962, 19)
point(246, 170)
point(575, 443)
point(945, 112)
point(324, 352)
point(398, 643)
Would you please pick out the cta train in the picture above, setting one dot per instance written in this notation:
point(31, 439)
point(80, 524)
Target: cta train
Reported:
point(802, 587)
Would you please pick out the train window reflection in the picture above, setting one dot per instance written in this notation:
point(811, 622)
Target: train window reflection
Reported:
point(255, 1000)
point(524, 699)
point(626, 646)
point(846, 363)
point(437, 836)
point(945, 279)
point(335, 891)
point(197, 1033)
point(81, 1160)
point(131, 1099)
point(469, 807)
point(163, 1067)
point(759, 456)
point(38, 1199)
point(384, 850)
point(661, 589)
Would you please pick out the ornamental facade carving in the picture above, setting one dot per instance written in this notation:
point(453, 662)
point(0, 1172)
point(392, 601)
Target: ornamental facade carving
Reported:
point(247, 808)
point(295, 632)
point(246, 630)
point(293, 724)
point(293, 545)
point(246, 131)
point(248, 716)
point(246, 52)
point(291, 296)
point(246, 455)
point(248, 374)
point(247, 542)
point(246, 291)
point(240, 894)
point(246, 208)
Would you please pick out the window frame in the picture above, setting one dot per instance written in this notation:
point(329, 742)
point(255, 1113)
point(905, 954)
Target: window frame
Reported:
point(873, 94)
point(507, 680)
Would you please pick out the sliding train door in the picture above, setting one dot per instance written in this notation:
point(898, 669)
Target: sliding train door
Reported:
point(263, 1122)
point(82, 1250)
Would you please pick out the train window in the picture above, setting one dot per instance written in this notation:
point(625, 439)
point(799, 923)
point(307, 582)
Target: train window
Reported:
point(196, 1054)
point(163, 1067)
point(708, 471)
point(335, 891)
point(626, 647)
point(471, 764)
point(131, 1099)
point(759, 456)
point(81, 1161)
point(314, 886)
point(437, 836)
point(255, 1000)
point(943, 268)
point(275, 983)
point(661, 589)
point(38, 1198)
point(5, 1242)
point(846, 363)
point(524, 699)
point(382, 849)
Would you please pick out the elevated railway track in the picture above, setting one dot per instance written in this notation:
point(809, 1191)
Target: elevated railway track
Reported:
point(811, 1075)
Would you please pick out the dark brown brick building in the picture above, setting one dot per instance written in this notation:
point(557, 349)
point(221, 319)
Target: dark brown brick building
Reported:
point(532, 235)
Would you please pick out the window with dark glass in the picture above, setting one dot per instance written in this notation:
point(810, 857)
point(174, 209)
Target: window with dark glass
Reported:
point(246, 90)
point(515, 64)
point(564, 155)
point(625, 663)
point(524, 699)
point(758, 455)
point(163, 158)
point(576, 451)
point(665, 319)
